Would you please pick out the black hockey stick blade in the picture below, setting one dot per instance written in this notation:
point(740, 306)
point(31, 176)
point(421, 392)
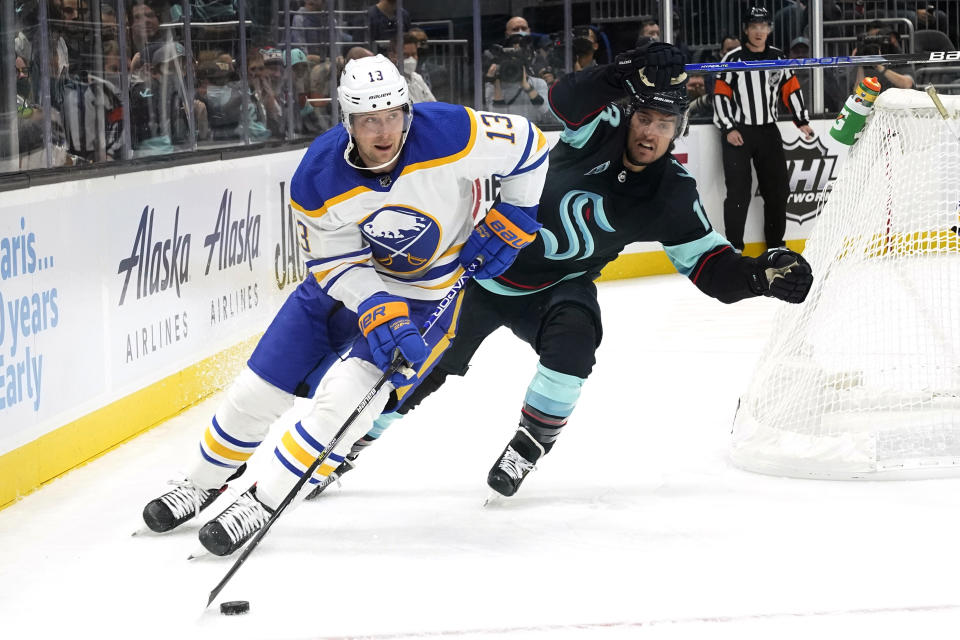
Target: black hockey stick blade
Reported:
point(396, 365)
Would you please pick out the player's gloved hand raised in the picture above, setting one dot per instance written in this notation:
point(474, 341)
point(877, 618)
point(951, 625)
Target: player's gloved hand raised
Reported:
point(498, 238)
point(783, 274)
point(655, 66)
point(385, 323)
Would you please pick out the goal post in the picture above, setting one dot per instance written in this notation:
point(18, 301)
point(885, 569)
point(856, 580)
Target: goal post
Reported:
point(862, 380)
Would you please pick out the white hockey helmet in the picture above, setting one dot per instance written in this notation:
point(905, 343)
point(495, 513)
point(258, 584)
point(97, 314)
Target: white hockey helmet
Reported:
point(372, 84)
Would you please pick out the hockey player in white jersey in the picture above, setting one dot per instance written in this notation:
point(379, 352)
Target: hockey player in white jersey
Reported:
point(385, 208)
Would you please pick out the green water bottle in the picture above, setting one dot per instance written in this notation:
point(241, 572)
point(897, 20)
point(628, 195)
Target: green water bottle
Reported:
point(852, 118)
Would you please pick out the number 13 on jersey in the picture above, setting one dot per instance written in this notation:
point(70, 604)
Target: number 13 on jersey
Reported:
point(494, 121)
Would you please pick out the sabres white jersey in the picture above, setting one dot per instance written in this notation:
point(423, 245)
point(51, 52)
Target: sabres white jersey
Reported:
point(402, 232)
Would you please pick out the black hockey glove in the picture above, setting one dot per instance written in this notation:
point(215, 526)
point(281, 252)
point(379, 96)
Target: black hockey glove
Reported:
point(656, 66)
point(782, 274)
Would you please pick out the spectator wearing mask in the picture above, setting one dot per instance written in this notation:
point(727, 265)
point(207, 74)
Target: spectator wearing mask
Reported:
point(700, 101)
point(509, 89)
point(649, 28)
point(585, 45)
point(419, 91)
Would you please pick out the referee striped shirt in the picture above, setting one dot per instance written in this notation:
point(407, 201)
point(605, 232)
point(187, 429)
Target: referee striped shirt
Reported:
point(751, 97)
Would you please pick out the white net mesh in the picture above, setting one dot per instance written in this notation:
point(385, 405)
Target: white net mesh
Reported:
point(863, 379)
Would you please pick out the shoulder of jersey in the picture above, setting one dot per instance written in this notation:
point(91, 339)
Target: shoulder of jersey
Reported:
point(733, 54)
point(439, 131)
point(321, 173)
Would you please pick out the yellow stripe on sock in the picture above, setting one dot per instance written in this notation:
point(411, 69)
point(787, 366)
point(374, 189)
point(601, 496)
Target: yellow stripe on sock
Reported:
point(222, 451)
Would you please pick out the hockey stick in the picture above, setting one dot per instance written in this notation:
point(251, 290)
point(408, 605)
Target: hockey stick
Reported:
point(830, 61)
point(942, 110)
point(398, 364)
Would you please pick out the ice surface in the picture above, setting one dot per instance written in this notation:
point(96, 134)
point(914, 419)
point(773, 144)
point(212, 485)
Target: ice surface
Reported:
point(635, 526)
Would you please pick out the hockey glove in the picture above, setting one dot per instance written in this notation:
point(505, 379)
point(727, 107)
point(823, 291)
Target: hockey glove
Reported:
point(498, 238)
point(385, 323)
point(782, 274)
point(655, 66)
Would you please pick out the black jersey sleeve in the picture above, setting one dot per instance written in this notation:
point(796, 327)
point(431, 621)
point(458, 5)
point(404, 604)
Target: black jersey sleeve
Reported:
point(696, 249)
point(726, 275)
point(578, 98)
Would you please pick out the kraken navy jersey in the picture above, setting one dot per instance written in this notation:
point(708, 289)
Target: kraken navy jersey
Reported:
point(402, 232)
point(592, 207)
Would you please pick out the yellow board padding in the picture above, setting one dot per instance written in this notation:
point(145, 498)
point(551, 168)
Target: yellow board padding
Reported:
point(76, 443)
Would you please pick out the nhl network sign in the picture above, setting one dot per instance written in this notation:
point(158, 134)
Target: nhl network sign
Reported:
point(810, 170)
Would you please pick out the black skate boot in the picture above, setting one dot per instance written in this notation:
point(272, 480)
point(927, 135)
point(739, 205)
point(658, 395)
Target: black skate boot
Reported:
point(238, 523)
point(334, 476)
point(173, 508)
point(516, 461)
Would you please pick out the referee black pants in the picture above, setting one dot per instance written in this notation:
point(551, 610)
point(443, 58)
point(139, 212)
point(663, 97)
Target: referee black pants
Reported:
point(764, 146)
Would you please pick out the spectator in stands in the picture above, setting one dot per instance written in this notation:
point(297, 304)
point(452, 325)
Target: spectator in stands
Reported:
point(109, 29)
point(160, 117)
point(701, 102)
point(790, 21)
point(517, 25)
point(382, 18)
point(649, 28)
point(218, 87)
point(727, 44)
point(311, 28)
point(307, 118)
point(585, 44)
point(834, 83)
point(510, 89)
point(267, 108)
point(419, 91)
point(517, 44)
point(435, 75)
point(144, 25)
point(881, 41)
point(24, 87)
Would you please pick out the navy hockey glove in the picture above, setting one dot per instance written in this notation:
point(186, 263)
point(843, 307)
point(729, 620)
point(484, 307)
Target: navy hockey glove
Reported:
point(782, 274)
point(385, 323)
point(656, 66)
point(498, 238)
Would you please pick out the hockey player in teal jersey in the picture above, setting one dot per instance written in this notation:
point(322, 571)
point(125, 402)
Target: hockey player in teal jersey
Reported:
point(612, 181)
point(385, 207)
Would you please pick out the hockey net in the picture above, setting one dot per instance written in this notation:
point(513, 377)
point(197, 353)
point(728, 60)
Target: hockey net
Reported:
point(862, 380)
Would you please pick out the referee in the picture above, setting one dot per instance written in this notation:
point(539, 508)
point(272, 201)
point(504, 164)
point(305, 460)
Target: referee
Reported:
point(745, 109)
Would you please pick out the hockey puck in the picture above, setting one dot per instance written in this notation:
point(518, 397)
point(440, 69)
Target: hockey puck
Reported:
point(234, 608)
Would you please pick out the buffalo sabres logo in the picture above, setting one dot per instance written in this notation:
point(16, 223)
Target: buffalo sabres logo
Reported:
point(402, 239)
point(576, 208)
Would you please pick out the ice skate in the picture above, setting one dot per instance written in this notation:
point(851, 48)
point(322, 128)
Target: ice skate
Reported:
point(514, 464)
point(184, 502)
point(238, 523)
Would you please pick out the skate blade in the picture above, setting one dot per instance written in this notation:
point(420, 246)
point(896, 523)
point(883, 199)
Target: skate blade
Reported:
point(199, 552)
point(493, 498)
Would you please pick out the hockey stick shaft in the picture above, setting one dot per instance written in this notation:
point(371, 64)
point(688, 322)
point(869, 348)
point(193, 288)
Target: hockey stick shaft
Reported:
point(929, 57)
point(397, 364)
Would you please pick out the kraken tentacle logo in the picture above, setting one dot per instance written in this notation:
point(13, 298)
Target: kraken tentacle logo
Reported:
point(576, 207)
point(402, 239)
